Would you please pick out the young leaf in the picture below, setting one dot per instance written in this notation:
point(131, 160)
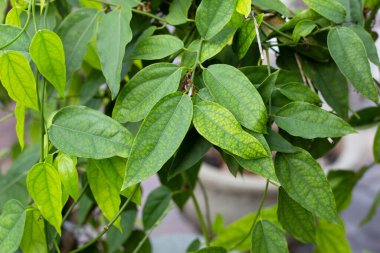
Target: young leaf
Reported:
point(331, 238)
point(82, 132)
point(68, 173)
point(156, 204)
point(12, 222)
point(34, 238)
point(302, 15)
point(83, 22)
point(8, 32)
point(309, 121)
point(157, 47)
point(212, 16)
point(372, 210)
point(178, 12)
point(144, 90)
point(18, 79)
point(212, 249)
point(20, 118)
point(44, 186)
point(295, 219)
point(330, 9)
point(376, 146)
point(46, 50)
point(349, 53)
point(244, 7)
point(299, 92)
point(276, 5)
point(219, 126)
point(267, 237)
point(114, 33)
point(107, 196)
point(303, 29)
point(159, 137)
point(224, 82)
point(304, 181)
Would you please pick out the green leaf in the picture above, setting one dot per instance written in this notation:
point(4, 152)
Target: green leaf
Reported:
point(331, 238)
point(305, 14)
point(224, 82)
point(46, 50)
point(262, 166)
point(219, 126)
point(267, 237)
point(18, 79)
point(114, 33)
point(244, 7)
point(349, 53)
point(134, 240)
point(304, 181)
point(266, 87)
point(365, 117)
point(295, 219)
point(156, 204)
point(342, 183)
point(246, 35)
point(19, 112)
point(13, 17)
point(157, 47)
point(8, 32)
point(34, 238)
point(159, 137)
point(212, 249)
point(178, 12)
point(330, 9)
point(309, 121)
point(299, 92)
point(194, 246)
point(303, 29)
point(368, 43)
point(107, 196)
point(275, 5)
point(12, 222)
point(144, 90)
point(68, 173)
point(278, 143)
point(212, 16)
point(372, 210)
point(81, 22)
point(83, 132)
point(44, 186)
point(376, 146)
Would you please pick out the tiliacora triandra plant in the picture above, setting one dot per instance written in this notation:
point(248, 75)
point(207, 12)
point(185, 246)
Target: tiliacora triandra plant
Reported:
point(113, 92)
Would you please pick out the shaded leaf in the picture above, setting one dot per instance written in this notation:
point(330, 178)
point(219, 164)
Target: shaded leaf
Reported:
point(303, 29)
point(372, 210)
point(212, 249)
point(8, 32)
point(155, 206)
point(178, 12)
point(342, 183)
point(278, 143)
point(368, 43)
point(376, 146)
point(299, 92)
point(331, 238)
point(34, 238)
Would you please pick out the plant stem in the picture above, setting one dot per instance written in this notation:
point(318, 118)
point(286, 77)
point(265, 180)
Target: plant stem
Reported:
point(75, 203)
point(195, 67)
point(56, 246)
point(258, 35)
point(42, 110)
point(200, 218)
point(34, 15)
point(276, 30)
point(207, 204)
point(22, 30)
point(255, 219)
point(149, 15)
point(6, 117)
point(106, 228)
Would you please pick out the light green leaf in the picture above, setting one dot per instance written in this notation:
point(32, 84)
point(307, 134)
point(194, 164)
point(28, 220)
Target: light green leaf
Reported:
point(178, 12)
point(219, 126)
point(305, 182)
point(262, 166)
point(309, 121)
point(330, 9)
point(299, 92)
point(34, 238)
point(267, 237)
point(376, 146)
point(114, 33)
point(212, 16)
point(212, 249)
point(13, 17)
point(83, 132)
point(275, 5)
point(303, 29)
point(368, 43)
point(76, 30)
point(157, 47)
point(224, 82)
point(106, 195)
point(18, 79)
point(46, 50)
point(8, 32)
point(349, 53)
point(331, 238)
point(156, 204)
point(246, 35)
point(372, 210)
point(44, 186)
point(144, 90)
point(244, 7)
point(68, 173)
point(20, 118)
point(12, 222)
point(159, 137)
point(295, 219)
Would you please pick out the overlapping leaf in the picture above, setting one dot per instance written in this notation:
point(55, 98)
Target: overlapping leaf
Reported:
point(8, 32)
point(267, 237)
point(156, 204)
point(34, 238)
point(66, 166)
point(330, 9)
point(178, 12)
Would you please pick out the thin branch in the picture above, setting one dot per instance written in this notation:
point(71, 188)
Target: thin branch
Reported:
point(258, 35)
point(276, 30)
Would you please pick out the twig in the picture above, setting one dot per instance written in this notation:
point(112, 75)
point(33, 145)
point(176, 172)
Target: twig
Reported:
point(258, 35)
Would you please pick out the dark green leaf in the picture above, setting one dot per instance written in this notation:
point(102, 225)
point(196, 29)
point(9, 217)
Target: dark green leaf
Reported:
point(365, 117)
point(330, 9)
point(368, 42)
point(157, 47)
point(278, 143)
point(275, 5)
point(156, 204)
point(165, 126)
point(376, 146)
point(266, 87)
point(299, 92)
point(267, 237)
point(178, 12)
point(303, 29)
point(372, 210)
point(212, 249)
point(34, 238)
point(303, 15)
point(304, 180)
point(194, 246)
point(133, 241)
point(83, 132)
point(342, 183)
